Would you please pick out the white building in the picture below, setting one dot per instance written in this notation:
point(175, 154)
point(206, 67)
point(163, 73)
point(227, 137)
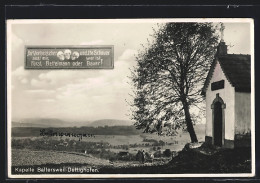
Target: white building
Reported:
point(228, 100)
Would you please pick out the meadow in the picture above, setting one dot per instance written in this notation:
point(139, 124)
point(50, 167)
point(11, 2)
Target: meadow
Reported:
point(25, 157)
point(98, 150)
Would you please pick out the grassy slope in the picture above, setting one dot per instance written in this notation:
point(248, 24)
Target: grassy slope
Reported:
point(192, 161)
point(33, 158)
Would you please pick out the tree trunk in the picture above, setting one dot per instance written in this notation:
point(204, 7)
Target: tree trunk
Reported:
point(189, 124)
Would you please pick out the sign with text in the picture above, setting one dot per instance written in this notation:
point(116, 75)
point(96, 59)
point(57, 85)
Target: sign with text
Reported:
point(217, 85)
point(70, 57)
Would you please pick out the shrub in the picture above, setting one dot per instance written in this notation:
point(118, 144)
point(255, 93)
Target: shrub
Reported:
point(167, 153)
point(157, 154)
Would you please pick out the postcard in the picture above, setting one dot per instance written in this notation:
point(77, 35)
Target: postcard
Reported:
point(130, 98)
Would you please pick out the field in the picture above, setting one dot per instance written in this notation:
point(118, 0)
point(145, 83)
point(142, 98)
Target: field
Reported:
point(27, 157)
point(97, 151)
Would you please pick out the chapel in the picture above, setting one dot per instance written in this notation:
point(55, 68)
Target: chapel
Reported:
point(227, 91)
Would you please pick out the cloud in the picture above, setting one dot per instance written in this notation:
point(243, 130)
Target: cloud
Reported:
point(21, 74)
point(72, 81)
point(59, 78)
point(39, 83)
point(106, 85)
point(121, 66)
point(81, 93)
point(92, 94)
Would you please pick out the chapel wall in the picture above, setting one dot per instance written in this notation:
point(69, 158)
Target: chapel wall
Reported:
point(228, 96)
point(242, 113)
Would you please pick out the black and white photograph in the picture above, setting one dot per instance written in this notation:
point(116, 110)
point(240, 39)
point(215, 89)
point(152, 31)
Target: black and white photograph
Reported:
point(130, 98)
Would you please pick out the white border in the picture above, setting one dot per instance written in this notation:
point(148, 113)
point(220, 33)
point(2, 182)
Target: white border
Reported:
point(9, 24)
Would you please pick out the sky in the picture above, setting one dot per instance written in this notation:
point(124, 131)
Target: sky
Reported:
point(85, 95)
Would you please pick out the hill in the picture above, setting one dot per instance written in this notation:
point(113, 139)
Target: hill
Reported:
point(21, 124)
point(46, 122)
point(111, 122)
point(54, 122)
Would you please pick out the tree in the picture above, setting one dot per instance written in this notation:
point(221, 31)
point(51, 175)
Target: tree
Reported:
point(169, 75)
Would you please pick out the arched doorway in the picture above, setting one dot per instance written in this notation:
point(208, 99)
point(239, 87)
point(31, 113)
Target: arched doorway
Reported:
point(217, 124)
point(218, 120)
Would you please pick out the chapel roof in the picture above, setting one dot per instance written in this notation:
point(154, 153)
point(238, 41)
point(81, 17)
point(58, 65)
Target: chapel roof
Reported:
point(237, 69)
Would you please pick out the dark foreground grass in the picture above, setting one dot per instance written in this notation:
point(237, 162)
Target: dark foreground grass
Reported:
point(193, 161)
